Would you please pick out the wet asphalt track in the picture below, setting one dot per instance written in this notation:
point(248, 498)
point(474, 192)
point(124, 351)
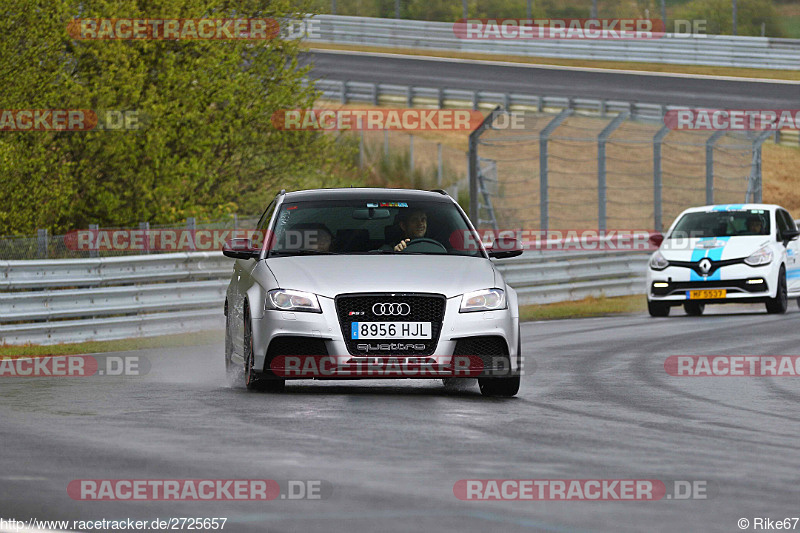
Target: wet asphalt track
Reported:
point(555, 81)
point(598, 404)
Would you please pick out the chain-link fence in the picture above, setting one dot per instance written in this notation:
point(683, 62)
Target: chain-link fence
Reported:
point(567, 171)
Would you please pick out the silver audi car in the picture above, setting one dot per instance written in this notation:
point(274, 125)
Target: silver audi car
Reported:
point(370, 283)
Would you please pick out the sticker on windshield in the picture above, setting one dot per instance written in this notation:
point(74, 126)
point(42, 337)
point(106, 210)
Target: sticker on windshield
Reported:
point(393, 204)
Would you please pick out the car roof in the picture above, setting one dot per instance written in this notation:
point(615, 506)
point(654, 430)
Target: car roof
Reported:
point(732, 207)
point(367, 193)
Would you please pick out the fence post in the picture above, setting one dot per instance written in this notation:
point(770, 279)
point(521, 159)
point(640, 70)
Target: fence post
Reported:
point(145, 226)
point(41, 242)
point(601, 167)
point(472, 165)
point(439, 165)
point(411, 154)
point(333, 7)
point(361, 150)
point(543, 185)
point(94, 228)
point(754, 183)
point(710, 165)
point(658, 224)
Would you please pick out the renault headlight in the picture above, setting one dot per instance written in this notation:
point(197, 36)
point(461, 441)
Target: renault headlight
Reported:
point(483, 300)
point(289, 300)
point(657, 262)
point(762, 256)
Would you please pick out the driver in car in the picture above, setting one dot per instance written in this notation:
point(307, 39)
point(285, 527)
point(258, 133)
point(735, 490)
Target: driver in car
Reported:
point(754, 225)
point(414, 224)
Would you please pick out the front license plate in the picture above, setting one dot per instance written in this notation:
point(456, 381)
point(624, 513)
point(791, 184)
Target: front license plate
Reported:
point(709, 294)
point(390, 330)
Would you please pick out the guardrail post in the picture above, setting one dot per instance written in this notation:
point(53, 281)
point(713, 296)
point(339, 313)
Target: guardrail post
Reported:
point(543, 180)
point(474, 100)
point(375, 97)
point(145, 226)
point(472, 162)
point(386, 144)
point(601, 167)
point(41, 242)
point(235, 222)
point(440, 98)
point(507, 101)
point(603, 108)
point(333, 7)
point(754, 183)
point(94, 228)
point(344, 92)
point(658, 224)
point(410, 97)
point(191, 223)
point(439, 165)
point(710, 165)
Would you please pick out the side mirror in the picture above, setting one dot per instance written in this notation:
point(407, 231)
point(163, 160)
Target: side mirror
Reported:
point(789, 235)
point(241, 248)
point(504, 247)
point(656, 239)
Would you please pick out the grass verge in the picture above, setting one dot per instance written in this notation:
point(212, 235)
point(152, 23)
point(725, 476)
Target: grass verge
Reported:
point(165, 341)
point(614, 65)
point(588, 307)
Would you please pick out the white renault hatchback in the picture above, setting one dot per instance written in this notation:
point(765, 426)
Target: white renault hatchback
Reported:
point(738, 253)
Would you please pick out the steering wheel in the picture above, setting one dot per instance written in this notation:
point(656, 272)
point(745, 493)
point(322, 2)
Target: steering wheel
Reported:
point(424, 244)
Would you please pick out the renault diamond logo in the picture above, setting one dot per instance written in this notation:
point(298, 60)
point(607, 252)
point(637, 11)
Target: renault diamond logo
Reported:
point(393, 309)
point(705, 266)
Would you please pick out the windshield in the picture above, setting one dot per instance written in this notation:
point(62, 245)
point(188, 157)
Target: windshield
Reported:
point(722, 224)
point(367, 226)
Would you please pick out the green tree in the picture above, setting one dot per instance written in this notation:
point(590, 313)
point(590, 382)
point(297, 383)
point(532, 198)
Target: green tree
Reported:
point(206, 145)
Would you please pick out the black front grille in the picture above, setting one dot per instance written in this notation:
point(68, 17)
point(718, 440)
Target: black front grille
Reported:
point(492, 350)
point(680, 286)
point(358, 308)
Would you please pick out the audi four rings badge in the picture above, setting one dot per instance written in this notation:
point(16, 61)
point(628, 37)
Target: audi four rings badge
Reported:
point(391, 309)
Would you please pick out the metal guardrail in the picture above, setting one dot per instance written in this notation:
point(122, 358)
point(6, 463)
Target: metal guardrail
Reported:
point(711, 50)
point(75, 300)
point(345, 91)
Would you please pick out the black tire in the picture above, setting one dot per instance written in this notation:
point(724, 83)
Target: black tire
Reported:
point(253, 380)
point(232, 371)
point(779, 304)
point(504, 387)
point(500, 387)
point(694, 308)
point(657, 308)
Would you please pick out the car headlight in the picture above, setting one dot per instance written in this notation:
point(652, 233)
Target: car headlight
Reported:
point(289, 300)
point(762, 256)
point(483, 300)
point(657, 262)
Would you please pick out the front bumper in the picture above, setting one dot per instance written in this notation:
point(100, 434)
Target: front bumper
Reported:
point(741, 282)
point(326, 328)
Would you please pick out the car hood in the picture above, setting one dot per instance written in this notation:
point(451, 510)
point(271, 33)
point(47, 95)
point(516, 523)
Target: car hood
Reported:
point(716, 248)
point(330, 275)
